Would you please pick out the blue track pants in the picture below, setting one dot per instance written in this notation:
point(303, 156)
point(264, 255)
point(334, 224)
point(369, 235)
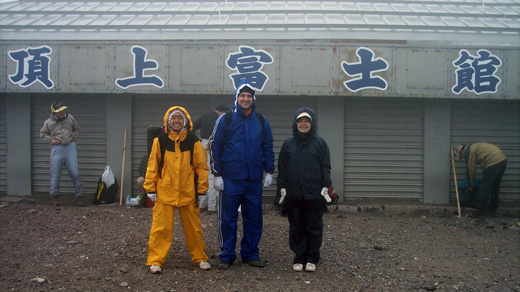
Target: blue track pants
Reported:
point(248, 194)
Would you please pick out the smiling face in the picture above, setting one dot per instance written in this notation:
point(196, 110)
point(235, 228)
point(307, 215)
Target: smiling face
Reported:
point(245, 100)
point(177, 122)
point(303, 124)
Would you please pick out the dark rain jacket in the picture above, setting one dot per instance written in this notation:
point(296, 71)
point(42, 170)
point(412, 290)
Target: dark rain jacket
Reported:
point(304, 163)
point(205, 123)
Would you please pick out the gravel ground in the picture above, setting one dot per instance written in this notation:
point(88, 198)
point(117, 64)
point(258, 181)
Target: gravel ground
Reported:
point(366, 247)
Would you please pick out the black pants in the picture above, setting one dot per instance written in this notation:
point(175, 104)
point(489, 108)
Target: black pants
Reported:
point(490, 187)
point(305, 234)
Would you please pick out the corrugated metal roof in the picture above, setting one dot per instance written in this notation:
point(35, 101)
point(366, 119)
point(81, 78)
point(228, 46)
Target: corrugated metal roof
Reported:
point(426, 20)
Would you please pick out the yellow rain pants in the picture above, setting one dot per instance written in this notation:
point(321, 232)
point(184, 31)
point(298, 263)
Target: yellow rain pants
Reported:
point(161, 234)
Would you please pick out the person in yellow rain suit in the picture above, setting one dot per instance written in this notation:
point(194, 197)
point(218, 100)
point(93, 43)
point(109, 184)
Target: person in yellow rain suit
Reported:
point(177, 173)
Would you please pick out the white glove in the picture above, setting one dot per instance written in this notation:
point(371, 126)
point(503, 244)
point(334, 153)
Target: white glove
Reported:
point(152, 196)
point(283, 193)
point(268, 180)
point(218, 183)
point(325, 194)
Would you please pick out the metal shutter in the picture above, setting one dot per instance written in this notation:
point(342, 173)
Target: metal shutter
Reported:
point(493, 121)
point(384, 148)
point(3, 147)
point(149, 111)
point(90, 112)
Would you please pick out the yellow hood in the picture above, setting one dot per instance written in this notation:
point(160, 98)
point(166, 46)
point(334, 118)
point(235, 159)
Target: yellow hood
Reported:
point(188, 124)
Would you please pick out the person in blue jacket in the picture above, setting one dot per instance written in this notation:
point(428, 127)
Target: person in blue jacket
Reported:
point(304, 182)
point(241, 150)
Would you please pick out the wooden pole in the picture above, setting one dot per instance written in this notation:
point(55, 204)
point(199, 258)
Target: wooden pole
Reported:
point(455, 178)
point(122, 172)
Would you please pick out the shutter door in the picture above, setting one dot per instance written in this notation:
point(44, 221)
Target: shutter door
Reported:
point(493, 121)
point(149, 111)
point(90, 112)
point(384, 149)
point(3, 147)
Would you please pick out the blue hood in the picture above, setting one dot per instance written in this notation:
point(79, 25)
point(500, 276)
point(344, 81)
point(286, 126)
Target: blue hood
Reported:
point(236, 106)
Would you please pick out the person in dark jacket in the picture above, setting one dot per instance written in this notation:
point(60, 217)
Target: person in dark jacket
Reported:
point(205, 123)
point(151, 133)
point(142, 174)
point(304, 181)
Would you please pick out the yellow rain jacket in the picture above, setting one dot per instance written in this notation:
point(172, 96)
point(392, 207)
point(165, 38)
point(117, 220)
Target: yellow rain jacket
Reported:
point(175, 186)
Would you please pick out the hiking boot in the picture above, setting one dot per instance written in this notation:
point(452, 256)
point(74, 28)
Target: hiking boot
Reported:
point(155, 269)
point(256, 263)
point(224, 265)
point(56, 201)
point(204, 266)
point(297, 267)
point(310, 267)
point(80, 202)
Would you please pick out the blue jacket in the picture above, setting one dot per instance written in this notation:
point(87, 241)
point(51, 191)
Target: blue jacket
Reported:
point(244, 150)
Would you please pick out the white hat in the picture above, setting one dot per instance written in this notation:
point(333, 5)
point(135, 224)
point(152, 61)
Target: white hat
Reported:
point(304, 114)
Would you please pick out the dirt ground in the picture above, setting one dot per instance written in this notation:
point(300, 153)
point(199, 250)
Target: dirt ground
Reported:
point(367, 246)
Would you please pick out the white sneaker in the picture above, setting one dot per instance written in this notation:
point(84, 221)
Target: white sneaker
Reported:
point(310, 267)
point(155, 269)
point(297, 267)
point(204, 266)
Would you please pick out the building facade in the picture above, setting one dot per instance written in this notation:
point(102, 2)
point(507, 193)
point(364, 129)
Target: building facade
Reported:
point(393, 85)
